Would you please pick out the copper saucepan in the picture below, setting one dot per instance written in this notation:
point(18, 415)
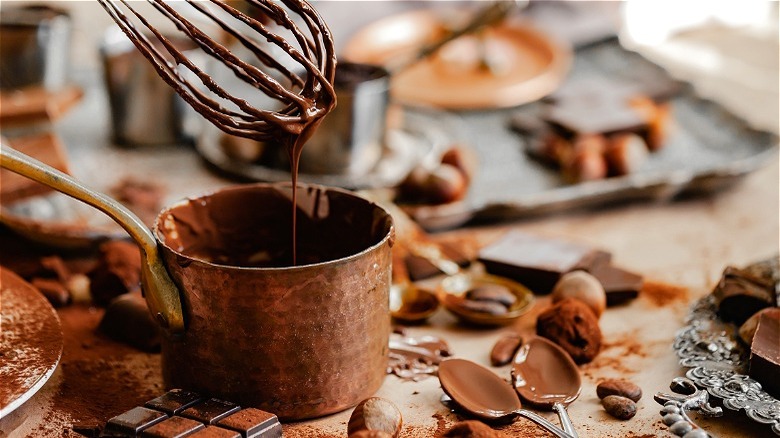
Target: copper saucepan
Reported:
point(299, 341)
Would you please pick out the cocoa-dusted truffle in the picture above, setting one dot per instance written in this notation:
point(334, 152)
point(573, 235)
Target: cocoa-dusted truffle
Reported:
point(571, 324)
point(472, 429)
point(118, 271)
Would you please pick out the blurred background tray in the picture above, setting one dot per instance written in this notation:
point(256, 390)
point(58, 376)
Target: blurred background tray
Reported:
point(708, 149)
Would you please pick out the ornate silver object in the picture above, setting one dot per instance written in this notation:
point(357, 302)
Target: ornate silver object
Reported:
point(717, 363)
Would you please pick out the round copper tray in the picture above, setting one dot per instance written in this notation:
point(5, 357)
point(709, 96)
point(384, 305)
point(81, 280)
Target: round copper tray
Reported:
point(30, 340)
point(531, 64)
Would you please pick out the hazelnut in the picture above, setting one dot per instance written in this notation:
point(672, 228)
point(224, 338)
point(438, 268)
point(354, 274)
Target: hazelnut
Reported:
point(585, 165)
point(581, 286)
point(748, 329)
point(377, 415)
point(444, 184)
point(595, 143)
point(625, 153)
point(454, 157)
point(656, 117)
point(411, 187)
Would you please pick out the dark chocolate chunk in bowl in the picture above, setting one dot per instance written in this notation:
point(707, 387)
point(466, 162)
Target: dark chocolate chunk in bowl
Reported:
point(133, 421)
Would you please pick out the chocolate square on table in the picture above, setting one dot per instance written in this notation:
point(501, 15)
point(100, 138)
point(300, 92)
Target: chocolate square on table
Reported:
point(215, 432)
point(620, 285)
point(174, 401)
point(210, 411)
point(253, 423)
point(174, 427)
point(538, 262)
point(133, 421)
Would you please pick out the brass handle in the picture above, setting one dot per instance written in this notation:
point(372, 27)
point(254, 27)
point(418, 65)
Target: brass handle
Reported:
point(160, 291)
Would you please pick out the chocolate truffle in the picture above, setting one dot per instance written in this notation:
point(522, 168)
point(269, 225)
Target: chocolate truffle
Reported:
point(571, 324)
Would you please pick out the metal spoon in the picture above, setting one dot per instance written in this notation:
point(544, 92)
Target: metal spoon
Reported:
point(481, 393)
point(160, 291)
point(545, 376)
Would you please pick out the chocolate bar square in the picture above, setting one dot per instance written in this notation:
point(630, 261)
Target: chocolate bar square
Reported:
point(133, 421)
point(174, 401)
point(765, 353)
point(253, 423)
point(174, 427)
point(215, 432)
point(210, 411)
point(538, 262)
point(620, 285)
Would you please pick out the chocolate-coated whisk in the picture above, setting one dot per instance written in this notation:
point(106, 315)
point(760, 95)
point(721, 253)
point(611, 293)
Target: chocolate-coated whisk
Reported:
point(308, 98)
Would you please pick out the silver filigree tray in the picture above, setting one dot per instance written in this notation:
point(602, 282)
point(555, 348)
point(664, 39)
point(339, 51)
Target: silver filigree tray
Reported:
point(717, 365)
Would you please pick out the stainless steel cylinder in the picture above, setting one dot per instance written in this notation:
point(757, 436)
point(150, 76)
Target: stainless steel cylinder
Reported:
point(34, 47)
point(351, 138)
point(145, 111)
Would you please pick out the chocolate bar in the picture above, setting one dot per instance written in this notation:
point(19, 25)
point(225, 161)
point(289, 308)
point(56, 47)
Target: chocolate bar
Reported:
point(765, 353)
point(133, 421)
point(180, 413)
point(739, 295)
point(620, 285)
point(538, 262)
point(210, 411)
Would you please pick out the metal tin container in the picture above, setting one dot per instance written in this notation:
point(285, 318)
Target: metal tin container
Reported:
point(145, 111)
point(351, 138)
point(299, 341)
point(34, 47)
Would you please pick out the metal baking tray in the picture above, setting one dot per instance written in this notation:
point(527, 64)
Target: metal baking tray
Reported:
point(707, 150)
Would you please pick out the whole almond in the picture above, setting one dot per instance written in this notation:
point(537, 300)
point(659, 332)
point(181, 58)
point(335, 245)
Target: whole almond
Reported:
point(505, 349)
point(619, 387)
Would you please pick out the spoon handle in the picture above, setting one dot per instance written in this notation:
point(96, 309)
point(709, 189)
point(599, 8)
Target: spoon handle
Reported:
point(563, 416)
point(161, 294)
point(544, 423)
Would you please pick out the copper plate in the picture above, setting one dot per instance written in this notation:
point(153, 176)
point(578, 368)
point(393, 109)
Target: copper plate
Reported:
point(532, 64)
point(30, 340)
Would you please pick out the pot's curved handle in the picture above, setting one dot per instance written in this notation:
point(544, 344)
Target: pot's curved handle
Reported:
point(160, 291)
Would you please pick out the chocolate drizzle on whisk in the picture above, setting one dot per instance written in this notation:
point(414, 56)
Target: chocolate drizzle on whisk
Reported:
point(308, 98)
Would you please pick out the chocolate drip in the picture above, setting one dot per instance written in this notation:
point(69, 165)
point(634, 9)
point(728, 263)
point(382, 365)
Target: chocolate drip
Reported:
point(309, 98)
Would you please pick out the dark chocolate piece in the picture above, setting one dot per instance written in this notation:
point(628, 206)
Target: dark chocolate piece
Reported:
point(174, 401)
point(620, 285)
point(595, 116)
point(210, 411)
point(538, 262)
point(118, 271)
point(487, 307)
point(492, 293)
point(253, 423)
point(134, 421)
point(174, 427)
point(89, 430)
point(740, 295)
point(53, 290)
point(765, 353)
point(128, 320)
point(215, 432)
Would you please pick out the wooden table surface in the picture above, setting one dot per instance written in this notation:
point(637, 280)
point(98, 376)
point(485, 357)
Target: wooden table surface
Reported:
point(685, 243)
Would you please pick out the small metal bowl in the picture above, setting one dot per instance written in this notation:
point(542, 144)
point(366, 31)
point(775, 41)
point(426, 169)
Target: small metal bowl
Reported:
point(411, 304)
point(452, 290)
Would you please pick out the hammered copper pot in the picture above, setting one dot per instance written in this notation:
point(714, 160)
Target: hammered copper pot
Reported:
point(299, 341)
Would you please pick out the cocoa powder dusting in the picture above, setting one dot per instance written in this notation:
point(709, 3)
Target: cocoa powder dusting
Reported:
point(662, 294)
point(101, 378)
point(30, 337)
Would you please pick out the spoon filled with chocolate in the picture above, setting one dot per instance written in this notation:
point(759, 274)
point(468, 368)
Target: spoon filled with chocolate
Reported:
point(545, 376)
point(481, 393)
